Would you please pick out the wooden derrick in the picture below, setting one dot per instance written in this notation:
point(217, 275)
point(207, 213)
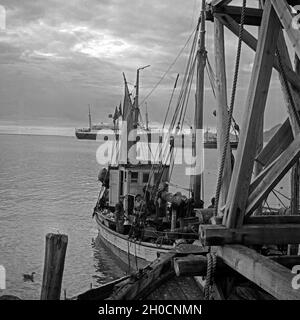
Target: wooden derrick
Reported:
point(214, 235)
point(267, 274)
point(255, 105)
point(222, 113)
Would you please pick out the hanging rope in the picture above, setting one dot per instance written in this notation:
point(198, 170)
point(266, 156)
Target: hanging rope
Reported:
point(210, 275)
point(233, 93)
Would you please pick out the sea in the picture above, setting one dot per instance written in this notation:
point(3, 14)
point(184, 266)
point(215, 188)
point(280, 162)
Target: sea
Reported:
point(49, 184)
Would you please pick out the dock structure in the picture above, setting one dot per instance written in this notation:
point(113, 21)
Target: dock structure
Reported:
point(242, 229)
point(242, 252)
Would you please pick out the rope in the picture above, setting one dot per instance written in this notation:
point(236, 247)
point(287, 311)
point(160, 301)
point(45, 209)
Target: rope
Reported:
point(169, 68)
point(234, 87)
point(210, 275)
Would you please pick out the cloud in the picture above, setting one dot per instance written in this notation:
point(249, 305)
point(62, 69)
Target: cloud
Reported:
point(58, 56)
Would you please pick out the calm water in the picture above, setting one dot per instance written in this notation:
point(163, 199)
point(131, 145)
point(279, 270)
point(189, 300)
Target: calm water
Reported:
point(49, 184)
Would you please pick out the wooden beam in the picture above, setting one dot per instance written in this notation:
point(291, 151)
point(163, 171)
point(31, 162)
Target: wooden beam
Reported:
point(254, 110)
point(276, 172)
point(272, 219)
point(196, 266)
point(267, 274)
point(252, 15)
point(219, 2)
point(284, 13)
point(215, 235)
point(251, 42)
point(190, 266)
point(222, 111)
point(287, 261)
point(293, 92)
point(282, 138)
point(295, 175)
point(274, 148)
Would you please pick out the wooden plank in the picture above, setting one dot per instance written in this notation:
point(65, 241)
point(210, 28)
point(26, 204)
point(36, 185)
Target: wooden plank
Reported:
point(283, 11)
point(251, 42)
point(272, 219)
point(254, 110)
point(252, 15)
point(190, 266)
point(287, 261)
point(295, 175)
point(212, 235)
point(267, 274)
point(274, 148)
point(277, 171)
point(146, 281)
point(219, 2)
point(222, 111)
point(277, 144)
point(55, 253)
point(285, 59)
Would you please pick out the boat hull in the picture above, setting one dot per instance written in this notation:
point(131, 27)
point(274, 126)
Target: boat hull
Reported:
point(135, 254)
point(86, 135)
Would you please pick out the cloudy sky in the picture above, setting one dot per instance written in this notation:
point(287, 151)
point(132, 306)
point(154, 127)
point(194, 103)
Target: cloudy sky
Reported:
point(56, 57)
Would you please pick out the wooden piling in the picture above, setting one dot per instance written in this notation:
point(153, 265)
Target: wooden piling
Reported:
point(55, 252)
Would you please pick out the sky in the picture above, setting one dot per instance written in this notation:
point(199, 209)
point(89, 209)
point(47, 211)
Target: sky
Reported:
point(56, 57)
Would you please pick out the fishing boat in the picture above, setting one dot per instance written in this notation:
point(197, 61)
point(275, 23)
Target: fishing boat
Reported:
point(137, 216)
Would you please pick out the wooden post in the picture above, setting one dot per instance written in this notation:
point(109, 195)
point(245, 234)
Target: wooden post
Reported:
point(173, 220)
point(55, 252)
point(260, 142)
point(295, 177)
point(255, 106)
point(201, 62)
point(296, 169)
point(222, 112)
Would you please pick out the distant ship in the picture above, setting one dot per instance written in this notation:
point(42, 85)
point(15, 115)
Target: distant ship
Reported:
point(90, 133)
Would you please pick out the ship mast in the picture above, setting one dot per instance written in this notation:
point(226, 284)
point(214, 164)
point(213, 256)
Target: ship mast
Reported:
point(132, 150)
point(90, 118)
point(198, 187)
point(147, 119)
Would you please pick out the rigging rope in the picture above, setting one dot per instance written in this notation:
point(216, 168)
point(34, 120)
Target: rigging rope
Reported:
point(169, 68)
point(233, 93)
point(210, 275)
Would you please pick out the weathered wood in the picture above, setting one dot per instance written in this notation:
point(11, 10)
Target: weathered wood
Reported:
point(158, 271)
point(219, 2)
point(55, 252)
point(211, 235)
point(267, 274)
point(190, 266)
point(284, 13)
point(285, 58)
point(287, 261)
point(272, 219)
point(255, 105)
point(103, 291)
point(195, 265)
point(295, 175)
point(277, 144)
point(278, 169)
point(251, 42)
point(173, 220)
point(222, 111)
point(252, 15)
point(197, 178)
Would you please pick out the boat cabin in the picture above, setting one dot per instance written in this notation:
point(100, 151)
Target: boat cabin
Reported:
point(130, 180)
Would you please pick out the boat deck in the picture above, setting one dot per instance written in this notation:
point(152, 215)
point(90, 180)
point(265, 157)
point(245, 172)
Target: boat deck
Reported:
point(177, 288)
